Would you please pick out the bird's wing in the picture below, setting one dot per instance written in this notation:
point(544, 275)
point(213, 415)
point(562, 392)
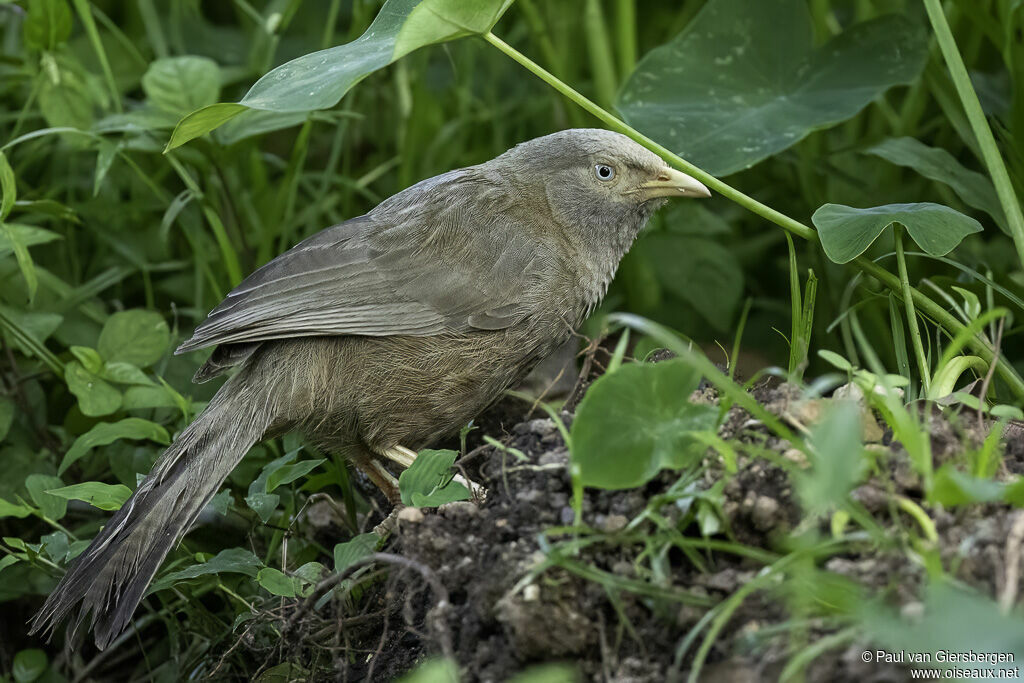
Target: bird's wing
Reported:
point(411, 268)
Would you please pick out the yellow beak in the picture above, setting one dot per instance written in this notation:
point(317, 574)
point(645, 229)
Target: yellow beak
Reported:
point(673, 183)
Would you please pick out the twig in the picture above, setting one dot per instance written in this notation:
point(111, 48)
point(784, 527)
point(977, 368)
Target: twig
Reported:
point(1011, 564)
point(440, 593)
point(988, 375)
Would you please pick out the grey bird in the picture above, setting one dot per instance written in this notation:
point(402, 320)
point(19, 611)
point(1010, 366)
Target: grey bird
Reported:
point(382, 334)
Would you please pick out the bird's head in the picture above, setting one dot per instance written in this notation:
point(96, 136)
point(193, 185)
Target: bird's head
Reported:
point(592, 177)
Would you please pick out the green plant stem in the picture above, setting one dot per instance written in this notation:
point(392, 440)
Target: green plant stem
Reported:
point(600, 50)
point(625, 35)
point(908, 301)
point(85, 15)
point(979, 124)
point(925, 304)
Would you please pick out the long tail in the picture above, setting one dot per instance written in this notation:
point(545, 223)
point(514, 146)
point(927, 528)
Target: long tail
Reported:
point(111, 576)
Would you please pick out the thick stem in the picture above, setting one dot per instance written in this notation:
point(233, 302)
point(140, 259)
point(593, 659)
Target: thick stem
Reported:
point(926, 305)
point(908, 301)
point(979, 124)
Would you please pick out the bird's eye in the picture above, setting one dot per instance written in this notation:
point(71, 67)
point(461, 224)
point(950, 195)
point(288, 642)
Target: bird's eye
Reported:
point(604, 172)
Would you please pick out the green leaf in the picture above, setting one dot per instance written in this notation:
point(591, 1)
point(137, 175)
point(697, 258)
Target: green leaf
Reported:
point(108, 432)
point(952, 487)
point(95, 397)
point(703, 273)
point(320, 79)
point(290, 473)
point(743, 80)
point(837, 458)
point(6, 416)
point(47, 24)
point(144, 398)
point(252, 122)
point(125, 373)
point(230, 561)
point(6, 561)
point(846, 232)
point(259, 498)
point(276, 582)
point(67, 101)
point(13, 510)
point(637, 421)
point(97, 494)
point(137, 337)
point(8, 188)
point(53, 507)
point(973, 188)
point(89, 358)
point(435, 21)
point(428, 482)
point(348, 553)
point(56, 545)
point(18, 238)
point(29, 665)
point(182, 84)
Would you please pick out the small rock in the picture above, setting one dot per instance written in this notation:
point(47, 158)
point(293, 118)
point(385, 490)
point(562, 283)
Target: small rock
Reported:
point(765, 513)
point(797, 456)
point(913, 611)
point(531, 593)
point(559, 457)
point(460, 509)
point(613, 524)
point(623, 568)
point(567, 515)
point(412, 515)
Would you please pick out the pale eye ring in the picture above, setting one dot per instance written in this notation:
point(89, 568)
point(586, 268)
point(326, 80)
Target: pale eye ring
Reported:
point(604, 172)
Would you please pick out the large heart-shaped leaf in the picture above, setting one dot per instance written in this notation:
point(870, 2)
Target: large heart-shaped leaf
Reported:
point(935, 163)
point(320, 79)
point(636, 421)
point(428, 481)
point(847, 232)
point(743, 80)
point(108, 432)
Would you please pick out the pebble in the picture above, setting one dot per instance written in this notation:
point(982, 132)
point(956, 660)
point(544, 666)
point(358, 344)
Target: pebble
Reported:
point(765, 513)
point(614, 523)
point(531, 593)
point(460, 509)
point(412, 515)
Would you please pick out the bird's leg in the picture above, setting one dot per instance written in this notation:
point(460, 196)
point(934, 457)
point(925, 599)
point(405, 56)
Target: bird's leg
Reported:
point(382, 479)
point(400, 455)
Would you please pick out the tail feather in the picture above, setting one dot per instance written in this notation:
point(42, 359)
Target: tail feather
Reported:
point(110, 578)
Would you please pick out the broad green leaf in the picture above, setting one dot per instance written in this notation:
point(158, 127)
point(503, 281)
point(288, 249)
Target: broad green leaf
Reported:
point(230, 561)
point(6, 561)
point(108, 432)
point(95, 397)
point(67, 99)
point(290, 473)
point(348, 553)
point(259, 497)
point(638, 421)
point(56, 545)
point(36, 326)
point(89, 358)
point(428, 482)
point(935, 163)
point(276, 582)
point(307, 576)
point(8, 509)
point(137, 337)
point(182, 84)
point(146, 397)
point(743, 80)
point(125, 373)
point(320, 79)
point(47, 24)
point(97, 494)
point(847, 232)
point(29, 665)
point(703, 273)
point(8, 188)
point(6, 416)
point(837, 458)
point(53, 507)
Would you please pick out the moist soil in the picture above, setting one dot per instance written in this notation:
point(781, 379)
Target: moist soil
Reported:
point(471, 580)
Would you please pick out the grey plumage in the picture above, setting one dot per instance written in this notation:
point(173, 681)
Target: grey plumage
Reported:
point(394, 328)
